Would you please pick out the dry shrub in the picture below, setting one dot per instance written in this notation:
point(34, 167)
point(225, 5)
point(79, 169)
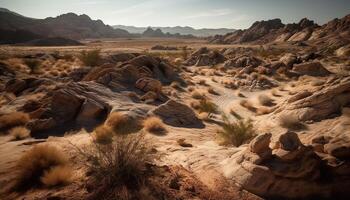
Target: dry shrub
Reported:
point(13, 119)
point(121, 163)
point(154, 125)
point(33, 64)
point(197, 95)
point(19, 133)
point(103, 134)
point(123, 123)
point(212, 91)
point(207, 106)
point(191, 89)
point(202, 82)
point(59, 175)
point(248, 105)
point(90, 58)
point(176, 85)
point(235, 114)
point(182, 142)
point(236, 133)
point(240, 94)
point(34, 163)
point(291, 122)
point(265, 100)
point(195, 104)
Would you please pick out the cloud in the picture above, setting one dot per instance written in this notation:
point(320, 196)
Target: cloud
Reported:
point(90, 2)
point(211, 13)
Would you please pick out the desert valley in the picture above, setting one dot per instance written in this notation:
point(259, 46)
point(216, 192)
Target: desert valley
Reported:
point(91, 111)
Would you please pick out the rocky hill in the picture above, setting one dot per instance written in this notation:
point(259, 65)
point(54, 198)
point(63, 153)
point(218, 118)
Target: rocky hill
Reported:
point(68, 25)
point(149, 32)
point(335, 32)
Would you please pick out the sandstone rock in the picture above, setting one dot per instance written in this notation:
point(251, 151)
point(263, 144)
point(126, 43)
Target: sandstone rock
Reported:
point(205, 57)
point(311, 69)
point(294, 171)
point(177, 114)
point(289, 141)
point(260, 144)
point(149, 84)
point(343, 51)
point(15, 86)
point(339, 148)
point(79, 73)
point(289, 59)
point(90, 111)
point(322, 103)
point(121, 57)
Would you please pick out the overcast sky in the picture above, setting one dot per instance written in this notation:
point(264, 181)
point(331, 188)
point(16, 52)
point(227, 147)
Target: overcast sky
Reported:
point(195, 13)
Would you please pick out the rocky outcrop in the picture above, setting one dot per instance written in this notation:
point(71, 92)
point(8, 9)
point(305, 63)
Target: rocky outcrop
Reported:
point(177, 114)
point(74, 103)
point(311, 69)
point(321, 103)
point(290, 170)
point(243, 61)
point(149, 84)
point(205, 57)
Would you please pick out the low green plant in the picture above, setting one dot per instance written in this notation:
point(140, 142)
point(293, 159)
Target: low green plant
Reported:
point(90, 58)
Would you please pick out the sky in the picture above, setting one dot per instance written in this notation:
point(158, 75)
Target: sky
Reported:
point(238, 14)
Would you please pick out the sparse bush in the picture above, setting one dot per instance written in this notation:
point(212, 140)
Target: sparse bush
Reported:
point(236, 133)
point(120, 163)
point(291, 122)
point(19, 133)
point(90, 58)
point(212, 91)
point(123, 123)
point(207, 106)
point(103, 135)
point(34, 163)
point(32, 64)
point(58, 175)
point(248, 105)
point(196, 95)
point(13, 119)
point(202, 82)
point(154, 125)
point(265, 100)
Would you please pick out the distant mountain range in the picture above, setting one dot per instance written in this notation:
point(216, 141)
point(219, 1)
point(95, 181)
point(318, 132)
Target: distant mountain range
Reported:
point(15, 28)
point(186, 30)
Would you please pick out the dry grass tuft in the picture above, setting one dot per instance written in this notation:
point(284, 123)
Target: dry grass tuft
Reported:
point(34, 163)
point(202, 82)
point(19, 133)
point(212, 91)
point(240, 94)
point(123, 123)
point(182, 142)
point(13, 119)
point(197, 95)
point(248, 105)
point(90, 58)
point(291, 122)
point(154, 125)
point(236, 133)
point(121, 163)
point(103, 135)
point(207, 106)
point(265, 100)
point(59, 175)
point(33, 64)
point(176, 85)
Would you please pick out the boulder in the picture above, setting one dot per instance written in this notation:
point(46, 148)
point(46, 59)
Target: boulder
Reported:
point(343, 51)
point(339, 148)
point(311, 69)
point(243, 61)
point(177, 114)
point(205, 57)
point(289, 141)
point(289, 59)
point(260, 144)
point(15, 86)
point(149, 84)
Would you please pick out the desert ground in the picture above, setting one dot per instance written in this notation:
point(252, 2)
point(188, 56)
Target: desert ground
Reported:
point(204, 121)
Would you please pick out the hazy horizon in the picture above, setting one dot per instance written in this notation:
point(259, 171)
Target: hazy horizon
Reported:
point(194, 13)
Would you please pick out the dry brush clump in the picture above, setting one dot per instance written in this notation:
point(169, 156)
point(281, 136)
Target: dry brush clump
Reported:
point(33, 64)
point(122, 123)
point(212, 91)
point(90, 58)
point(154, 125)
point(119, 164)
point(36, 167)
point(291, 122)
point(236, 133)
point(197, 95)
point(13, 119)
point(207, 106)
point(19, 133)
point(59, 175)
point(266, 100)
point(103, 134)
